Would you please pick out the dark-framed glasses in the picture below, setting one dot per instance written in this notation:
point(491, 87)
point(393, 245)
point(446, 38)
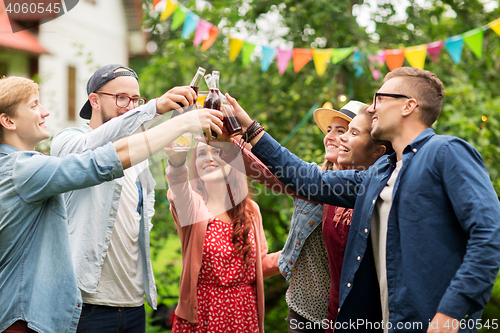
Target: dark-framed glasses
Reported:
point(377, 99)
point(123, 100)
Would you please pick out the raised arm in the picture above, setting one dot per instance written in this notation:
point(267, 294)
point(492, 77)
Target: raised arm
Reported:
point(138, 119)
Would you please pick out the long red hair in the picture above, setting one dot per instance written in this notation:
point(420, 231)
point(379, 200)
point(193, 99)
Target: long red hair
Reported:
point(238, 190)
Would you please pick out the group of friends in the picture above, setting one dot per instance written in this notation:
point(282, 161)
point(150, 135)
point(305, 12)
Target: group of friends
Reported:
point(398, 230)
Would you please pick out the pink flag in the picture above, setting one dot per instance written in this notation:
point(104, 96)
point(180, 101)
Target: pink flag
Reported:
point(434, 50)
point(372, 58)
point(375, 73)
point(201, 32)
point(381, 57)
point(283, 58)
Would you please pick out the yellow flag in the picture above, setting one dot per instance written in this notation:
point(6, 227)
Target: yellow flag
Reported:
point(495, 25)
point(235, 47)
point(169, 9)
point(321, 58)
point(416, 55)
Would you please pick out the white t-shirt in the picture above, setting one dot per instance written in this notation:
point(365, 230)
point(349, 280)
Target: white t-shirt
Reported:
point(121, 282)
point(380, 219)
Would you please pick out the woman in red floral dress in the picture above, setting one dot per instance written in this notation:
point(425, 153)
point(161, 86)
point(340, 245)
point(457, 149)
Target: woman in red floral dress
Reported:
point(224, 250)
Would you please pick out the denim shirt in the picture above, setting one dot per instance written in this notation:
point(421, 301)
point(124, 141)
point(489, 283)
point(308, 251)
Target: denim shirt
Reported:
point(37, 281)
point(443, 237)
point(306, 217)
point(92, 211)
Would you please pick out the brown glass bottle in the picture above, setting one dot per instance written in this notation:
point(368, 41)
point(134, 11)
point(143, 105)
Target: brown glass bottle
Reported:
point(195, 84)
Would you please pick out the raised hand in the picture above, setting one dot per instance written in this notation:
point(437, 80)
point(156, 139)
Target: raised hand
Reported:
point(183, 95)
point(239, 113)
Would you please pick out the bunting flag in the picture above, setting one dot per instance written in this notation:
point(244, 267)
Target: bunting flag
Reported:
point(246, 53)
point(207, 33)
point(340, 54)
point(434, 50)
point(178, 18)
point(455, 45)
point(300, 58)
point(190, 24)
point(357, 59)
point(416, 55)
point(321, 58)
point(474, 40)
point(375, 73)
point(394, 58)
point(201, 32)
point(156, 2)
point(235, 46)
point(212, 36)
point(495, 26)
point(169, 10)
point(268, 53)
point(283, 57)
point(381, 57)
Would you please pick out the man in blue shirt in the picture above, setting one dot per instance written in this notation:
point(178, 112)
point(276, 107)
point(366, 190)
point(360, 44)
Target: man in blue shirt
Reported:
point(424, 246)
point(38, 289)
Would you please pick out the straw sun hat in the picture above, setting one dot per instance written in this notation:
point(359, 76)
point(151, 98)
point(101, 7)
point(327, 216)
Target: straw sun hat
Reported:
point(323, 116)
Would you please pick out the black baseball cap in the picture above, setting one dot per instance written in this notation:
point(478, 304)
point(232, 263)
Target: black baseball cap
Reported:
point(100, 77)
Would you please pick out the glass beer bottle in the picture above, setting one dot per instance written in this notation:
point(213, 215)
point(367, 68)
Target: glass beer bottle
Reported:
point(195, 85)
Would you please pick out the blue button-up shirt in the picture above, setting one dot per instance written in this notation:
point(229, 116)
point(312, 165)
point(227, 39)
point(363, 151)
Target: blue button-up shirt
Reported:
point(92, 211)
point(443, 237)
point(37, 281)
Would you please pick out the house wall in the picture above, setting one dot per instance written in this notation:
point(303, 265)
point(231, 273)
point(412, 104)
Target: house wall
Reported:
point(92, 34)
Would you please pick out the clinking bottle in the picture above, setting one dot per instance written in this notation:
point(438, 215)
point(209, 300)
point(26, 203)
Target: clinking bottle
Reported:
point(195, 85)
point(215, 99)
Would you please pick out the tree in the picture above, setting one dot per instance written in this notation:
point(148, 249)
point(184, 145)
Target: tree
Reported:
point(280, 102)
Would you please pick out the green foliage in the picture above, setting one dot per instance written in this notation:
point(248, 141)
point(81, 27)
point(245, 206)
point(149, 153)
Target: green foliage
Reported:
point(280, 102)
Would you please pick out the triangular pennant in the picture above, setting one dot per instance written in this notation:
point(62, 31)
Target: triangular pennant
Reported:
point(178, 18)
point(434, 50)
point(321, 58)
point(357, 59)
point(340, 54)
point(212, 36)
point(416, 55)
point(474, 40)
point(300, 58)
point(190, 24)
point(375, 73)
point(201, 32)
point(394, 58)
point(169, 10)
point(372, 58)
point(268, 53)
point(495, 26)
point(246, 53)
point(235, 46)
point(455, 45)
point(156, 2)
point(283, 57)
point(381, 57)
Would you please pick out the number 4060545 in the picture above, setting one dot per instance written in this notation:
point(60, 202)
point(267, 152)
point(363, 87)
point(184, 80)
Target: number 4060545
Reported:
point(33, 8)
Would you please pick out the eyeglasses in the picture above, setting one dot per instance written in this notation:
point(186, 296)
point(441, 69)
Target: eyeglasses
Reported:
point(377, 96)
point(123, 100)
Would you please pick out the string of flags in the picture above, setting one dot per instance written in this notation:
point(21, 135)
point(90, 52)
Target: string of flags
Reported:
point(206, 34)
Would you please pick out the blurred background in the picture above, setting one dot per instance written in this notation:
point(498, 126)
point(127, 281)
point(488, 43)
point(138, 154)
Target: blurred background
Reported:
point(62, 54)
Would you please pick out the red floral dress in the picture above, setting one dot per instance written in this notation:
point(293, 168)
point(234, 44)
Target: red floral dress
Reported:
point(227, 300)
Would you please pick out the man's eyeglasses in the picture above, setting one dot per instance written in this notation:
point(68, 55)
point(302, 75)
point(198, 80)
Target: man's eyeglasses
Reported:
point(123, 100)
point(376, 98)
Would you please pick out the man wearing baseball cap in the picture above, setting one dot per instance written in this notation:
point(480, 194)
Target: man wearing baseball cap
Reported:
point(109, 223)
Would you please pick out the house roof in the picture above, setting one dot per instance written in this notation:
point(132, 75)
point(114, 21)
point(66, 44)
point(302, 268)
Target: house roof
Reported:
point(23, 41)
